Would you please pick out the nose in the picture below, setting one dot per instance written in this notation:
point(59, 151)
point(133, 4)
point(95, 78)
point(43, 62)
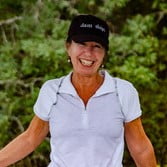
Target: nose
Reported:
point(88, 49)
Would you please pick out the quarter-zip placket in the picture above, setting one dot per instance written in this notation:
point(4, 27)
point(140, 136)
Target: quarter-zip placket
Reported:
point(85, 116)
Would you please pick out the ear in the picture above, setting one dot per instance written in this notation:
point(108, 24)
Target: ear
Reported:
point(67, 45)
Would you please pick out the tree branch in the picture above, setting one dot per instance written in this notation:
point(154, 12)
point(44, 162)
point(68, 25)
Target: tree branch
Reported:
point(20, 126)
point(10, 21)
point(4, 35)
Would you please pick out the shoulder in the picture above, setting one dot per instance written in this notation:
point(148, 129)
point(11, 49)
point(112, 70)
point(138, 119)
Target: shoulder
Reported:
point(50, 88)
point(125, 87)
point(123, 83)
point(46, 98)
point(129, 100)
point(52, 84)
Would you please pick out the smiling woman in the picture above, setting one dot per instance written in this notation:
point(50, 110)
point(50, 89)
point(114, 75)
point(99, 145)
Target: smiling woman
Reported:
point(87, 44)
point(88, 112)
point(86, 57)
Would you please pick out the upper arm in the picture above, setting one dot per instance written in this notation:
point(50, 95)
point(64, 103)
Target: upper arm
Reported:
point(37, 130)
point(139, 145)
point(136, 139)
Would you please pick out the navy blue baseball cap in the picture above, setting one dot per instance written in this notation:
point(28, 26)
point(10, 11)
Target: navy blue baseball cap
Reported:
point(86, 28)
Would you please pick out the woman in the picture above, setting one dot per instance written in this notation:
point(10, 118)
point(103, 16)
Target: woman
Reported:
point(87, 112)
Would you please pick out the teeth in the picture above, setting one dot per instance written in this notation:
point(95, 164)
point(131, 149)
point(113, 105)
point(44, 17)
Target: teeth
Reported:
point(86, 62)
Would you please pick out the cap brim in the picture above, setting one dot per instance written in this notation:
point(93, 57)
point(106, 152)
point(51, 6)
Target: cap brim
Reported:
point(88, 38)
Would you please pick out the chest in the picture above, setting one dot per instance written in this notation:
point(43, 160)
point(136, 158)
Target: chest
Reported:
point(101, 116)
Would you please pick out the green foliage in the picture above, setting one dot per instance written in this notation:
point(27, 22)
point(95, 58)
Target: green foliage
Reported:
point(109, 6)
point(32, 51)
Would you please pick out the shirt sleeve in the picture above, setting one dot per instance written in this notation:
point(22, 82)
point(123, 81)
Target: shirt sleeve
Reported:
point(46, 98)
point(129, 100)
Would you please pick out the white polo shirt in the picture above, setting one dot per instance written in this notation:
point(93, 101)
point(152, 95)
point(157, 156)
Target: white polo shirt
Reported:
point(91, 135)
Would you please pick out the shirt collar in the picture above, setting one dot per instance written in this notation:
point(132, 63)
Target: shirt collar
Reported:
point(108, 85)
point(67, 87)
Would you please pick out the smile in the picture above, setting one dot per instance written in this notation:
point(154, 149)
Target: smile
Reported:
point(86, 62)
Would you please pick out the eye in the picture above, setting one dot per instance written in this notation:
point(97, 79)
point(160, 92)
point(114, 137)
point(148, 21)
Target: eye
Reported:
point(98, 46)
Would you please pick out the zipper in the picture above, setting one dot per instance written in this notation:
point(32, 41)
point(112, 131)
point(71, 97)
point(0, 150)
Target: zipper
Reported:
point(85, 120)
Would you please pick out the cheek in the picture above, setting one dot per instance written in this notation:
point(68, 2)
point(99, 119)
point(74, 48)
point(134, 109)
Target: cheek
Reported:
point(72, 52)
point(73, 56)
point(101, 58)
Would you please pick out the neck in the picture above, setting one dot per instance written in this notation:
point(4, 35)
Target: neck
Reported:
point(82, 81)
point(86, 86)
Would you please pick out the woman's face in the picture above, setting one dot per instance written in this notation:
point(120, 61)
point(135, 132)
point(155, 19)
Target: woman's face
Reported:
point(86, 57)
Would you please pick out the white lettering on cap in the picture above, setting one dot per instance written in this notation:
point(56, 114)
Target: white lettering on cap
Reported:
point(97, 26)
point(86, 25)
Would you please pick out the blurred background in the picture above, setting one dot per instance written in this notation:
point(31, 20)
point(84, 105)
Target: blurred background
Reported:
point(32, 38)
